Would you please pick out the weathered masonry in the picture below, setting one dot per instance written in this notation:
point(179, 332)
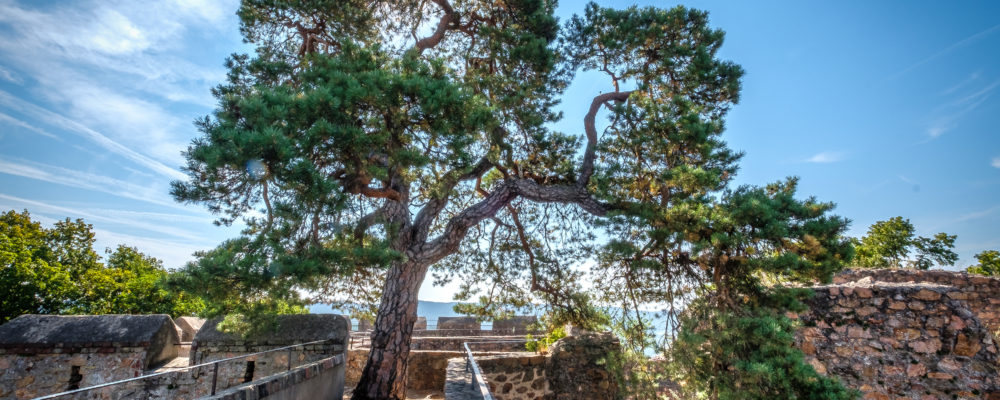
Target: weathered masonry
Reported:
point(212, 345)
point(431, 349)
point(41, 355)
point(575, 368)
point(905, 334)
point(45, 354)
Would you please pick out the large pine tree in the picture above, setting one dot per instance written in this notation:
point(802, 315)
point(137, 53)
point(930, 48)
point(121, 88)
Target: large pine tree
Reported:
point(373, 140)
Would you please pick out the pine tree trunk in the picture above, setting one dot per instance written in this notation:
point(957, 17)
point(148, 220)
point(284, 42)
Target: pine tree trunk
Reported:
point(384, 375)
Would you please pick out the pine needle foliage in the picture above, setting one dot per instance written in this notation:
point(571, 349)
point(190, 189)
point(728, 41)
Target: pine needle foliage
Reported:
point(368, 144)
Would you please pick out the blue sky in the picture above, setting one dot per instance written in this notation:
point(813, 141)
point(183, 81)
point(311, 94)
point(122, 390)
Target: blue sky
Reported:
point(885, 108)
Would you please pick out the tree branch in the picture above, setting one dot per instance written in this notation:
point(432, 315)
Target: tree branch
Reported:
point(381, 193)
point(433, 208)
point(587, 169)
point(448, 242)
point(448, 20)
point(367, 221)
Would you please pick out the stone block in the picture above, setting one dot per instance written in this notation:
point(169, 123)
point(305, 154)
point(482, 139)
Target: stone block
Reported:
point(466, 323)
point(515, 325)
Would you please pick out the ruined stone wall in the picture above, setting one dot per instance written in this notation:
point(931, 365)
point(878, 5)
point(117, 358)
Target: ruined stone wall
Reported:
point(900, 340)
point(263, 364)
point(319, 380)
point(980, 294)
point(197, 383)
point(516, 377)
point(476, 343)
point(32, 372)
point(575, 368)
point(426, 370)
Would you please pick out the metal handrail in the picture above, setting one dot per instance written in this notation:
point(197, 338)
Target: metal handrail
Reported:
point(215, 371)
point(477, 375)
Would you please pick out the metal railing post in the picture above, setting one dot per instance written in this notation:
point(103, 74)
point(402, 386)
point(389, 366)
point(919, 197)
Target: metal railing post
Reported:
point(215, 377)
point(289, 360)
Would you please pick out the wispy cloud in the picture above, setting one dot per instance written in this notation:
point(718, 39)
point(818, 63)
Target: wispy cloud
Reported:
point(826, 157)
point(965, 82)
point(115, 66)
point(995, 162)
point(174, 254)
point(88, 181)
point(948, 114)
point(938, 129)
point(137, 221)
point(8, 75)
point(16, 122)
point(105, 142)
point(977, 214)
point(949, 49)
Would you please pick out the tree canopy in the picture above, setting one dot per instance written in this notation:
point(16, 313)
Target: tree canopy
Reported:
point(889, 244)
point(989, 263)
point(56, 271)
point(369, 143)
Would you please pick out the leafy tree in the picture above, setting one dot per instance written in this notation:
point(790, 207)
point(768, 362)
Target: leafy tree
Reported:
point(31, 279)
point(57, 271)
point(361, 155)
point(130, 283)
point(889, 244)
point(989, 264)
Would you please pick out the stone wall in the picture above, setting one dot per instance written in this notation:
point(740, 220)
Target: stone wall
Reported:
point(197, 383)
point(319, 380)
point(29, 375)
point(462, 323)
point(476, 343)
point(187, 327)
point(578, 367)
point(211, 345)
point(980, 294)
point(516, 325)
point(46, 354)
point(897, 340)
point(426, 370)
point(516, 377)
point(575, 368)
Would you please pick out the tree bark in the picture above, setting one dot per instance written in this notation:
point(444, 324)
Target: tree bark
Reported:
point(384, 375)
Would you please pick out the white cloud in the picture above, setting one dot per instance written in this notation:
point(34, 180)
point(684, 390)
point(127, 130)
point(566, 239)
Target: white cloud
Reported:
point(88, 181)
point(995, 162)
point(134, 220)
point(826, 157)
point(9, 75)
point(961, 43)
point(937, 130)
point(16, 122)
point(173, 254)
point(954, 88)
point(108, 144)
point(977, 214)
point(134, 122)
point(136, 44)
point(950, 113)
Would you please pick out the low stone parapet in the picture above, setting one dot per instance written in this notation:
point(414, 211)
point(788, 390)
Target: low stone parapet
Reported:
point(980, 294)
point(46, 354)
point(322, 379)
